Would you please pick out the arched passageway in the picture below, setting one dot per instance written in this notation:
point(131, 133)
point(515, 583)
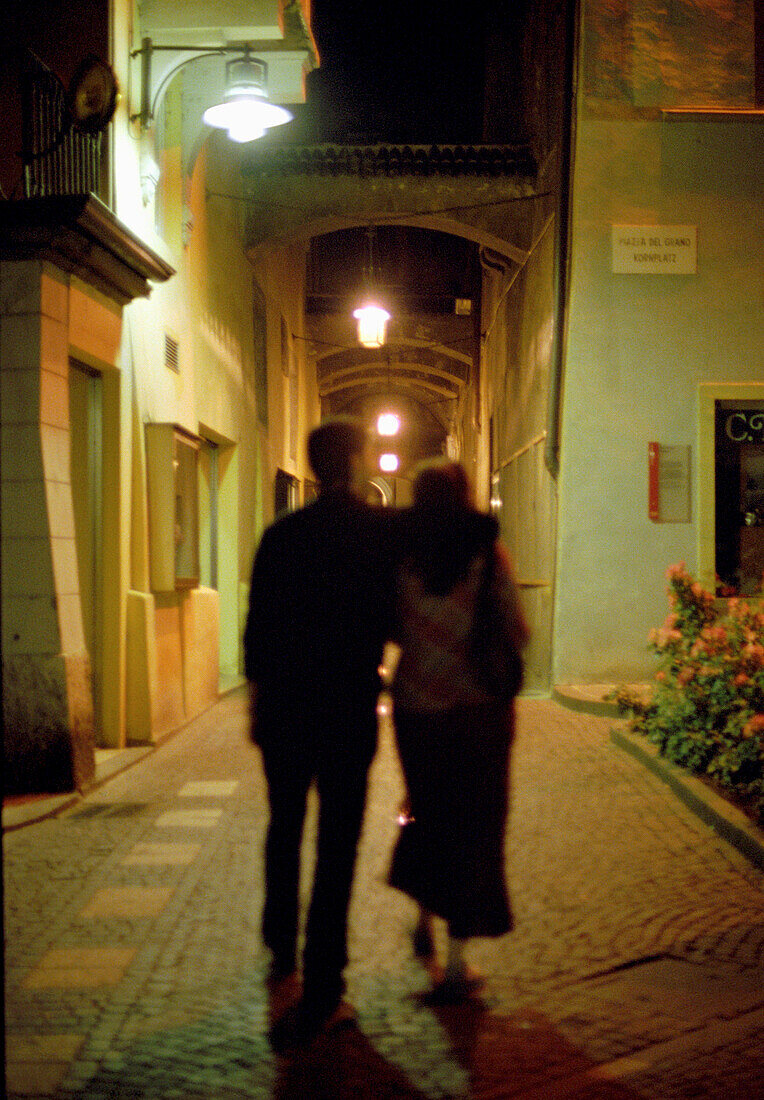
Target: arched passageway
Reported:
point(462, 247)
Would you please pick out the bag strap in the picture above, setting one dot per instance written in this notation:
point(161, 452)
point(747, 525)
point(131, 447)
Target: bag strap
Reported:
point(486, 586)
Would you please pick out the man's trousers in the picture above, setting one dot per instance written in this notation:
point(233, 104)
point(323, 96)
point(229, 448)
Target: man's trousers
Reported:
point(335, 750)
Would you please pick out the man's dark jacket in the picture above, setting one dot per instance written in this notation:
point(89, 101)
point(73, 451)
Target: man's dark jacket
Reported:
point(321, 606)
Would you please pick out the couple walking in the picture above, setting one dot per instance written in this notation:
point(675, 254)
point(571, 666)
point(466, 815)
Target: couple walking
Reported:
point(331, 583)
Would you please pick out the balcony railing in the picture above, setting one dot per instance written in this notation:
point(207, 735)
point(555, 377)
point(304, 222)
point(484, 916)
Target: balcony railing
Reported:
point(57, 158)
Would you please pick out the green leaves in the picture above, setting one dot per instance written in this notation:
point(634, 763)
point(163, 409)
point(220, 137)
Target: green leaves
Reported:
point(706, 712)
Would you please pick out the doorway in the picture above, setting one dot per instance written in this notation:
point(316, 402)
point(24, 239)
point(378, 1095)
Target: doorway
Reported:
point(86, 472)
point(209, 475)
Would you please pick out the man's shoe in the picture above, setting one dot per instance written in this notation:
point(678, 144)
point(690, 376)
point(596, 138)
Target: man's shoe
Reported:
point(282, 965)
point(280, 972)
point(343, 1016)
point(284, 992)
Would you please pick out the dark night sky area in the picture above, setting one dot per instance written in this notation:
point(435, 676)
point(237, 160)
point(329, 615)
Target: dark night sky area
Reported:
point(399, 69)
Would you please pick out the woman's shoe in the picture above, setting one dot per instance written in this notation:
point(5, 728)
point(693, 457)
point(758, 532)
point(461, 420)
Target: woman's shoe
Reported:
point(423, 942)
point(455, 989)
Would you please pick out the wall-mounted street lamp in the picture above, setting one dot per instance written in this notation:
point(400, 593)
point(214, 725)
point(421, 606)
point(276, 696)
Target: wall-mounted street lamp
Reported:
point(245, 111)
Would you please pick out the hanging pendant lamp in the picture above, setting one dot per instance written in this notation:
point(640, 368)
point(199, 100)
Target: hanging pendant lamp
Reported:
point(372, 317)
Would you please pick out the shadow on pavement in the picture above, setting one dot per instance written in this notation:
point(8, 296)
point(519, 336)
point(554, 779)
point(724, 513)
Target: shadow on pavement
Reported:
point(342, 1066)
point(523, 1055)
point(458, 1053)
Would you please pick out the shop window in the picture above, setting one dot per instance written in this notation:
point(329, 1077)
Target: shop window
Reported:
point(739, 476)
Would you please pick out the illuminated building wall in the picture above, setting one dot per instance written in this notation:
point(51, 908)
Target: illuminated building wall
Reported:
point(664, 318)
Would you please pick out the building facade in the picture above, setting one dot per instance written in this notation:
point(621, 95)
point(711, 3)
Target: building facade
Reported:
point(161, 362)
point(662, 451)
point(153, 384)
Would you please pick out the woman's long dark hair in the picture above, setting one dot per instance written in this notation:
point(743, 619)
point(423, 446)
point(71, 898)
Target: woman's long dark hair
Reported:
point(445, 531)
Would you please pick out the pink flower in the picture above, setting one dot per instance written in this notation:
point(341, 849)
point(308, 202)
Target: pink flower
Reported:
point(660, 677)
point(662, 637)
point(754, 726)
point(741, 679)
point(686, 674)
point(716, 635)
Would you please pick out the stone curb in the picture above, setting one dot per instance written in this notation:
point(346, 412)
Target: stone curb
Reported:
point(581, 703)
point(38, 808)
point(592, 698)
point(730, 823)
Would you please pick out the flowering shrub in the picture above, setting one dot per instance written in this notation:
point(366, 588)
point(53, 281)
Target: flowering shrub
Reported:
point(706, 710)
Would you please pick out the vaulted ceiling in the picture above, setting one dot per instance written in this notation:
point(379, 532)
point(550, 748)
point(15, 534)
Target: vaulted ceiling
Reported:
point(430, 283)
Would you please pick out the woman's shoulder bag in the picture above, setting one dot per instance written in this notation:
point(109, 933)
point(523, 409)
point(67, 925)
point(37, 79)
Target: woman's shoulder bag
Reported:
point(495, 659)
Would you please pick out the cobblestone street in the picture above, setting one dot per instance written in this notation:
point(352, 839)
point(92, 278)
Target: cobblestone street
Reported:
point(134, 968)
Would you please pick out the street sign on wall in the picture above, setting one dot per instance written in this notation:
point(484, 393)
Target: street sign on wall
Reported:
point(654, 249)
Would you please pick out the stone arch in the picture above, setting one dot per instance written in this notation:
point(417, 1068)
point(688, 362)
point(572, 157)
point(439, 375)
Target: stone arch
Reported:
point(487, 196)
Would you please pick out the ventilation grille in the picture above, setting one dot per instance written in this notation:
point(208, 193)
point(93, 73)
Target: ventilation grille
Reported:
point(171, 353)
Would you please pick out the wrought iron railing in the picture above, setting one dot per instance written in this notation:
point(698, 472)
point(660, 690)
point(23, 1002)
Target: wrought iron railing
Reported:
point(58, 159)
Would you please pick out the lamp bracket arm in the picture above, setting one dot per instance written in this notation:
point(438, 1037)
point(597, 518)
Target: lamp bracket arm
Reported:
point(150, 98)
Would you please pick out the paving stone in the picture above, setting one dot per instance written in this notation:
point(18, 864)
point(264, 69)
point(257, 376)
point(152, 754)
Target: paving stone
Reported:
point(609, 875)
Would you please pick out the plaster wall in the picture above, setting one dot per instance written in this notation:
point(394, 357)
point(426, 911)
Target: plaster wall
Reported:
point(639, 347)
point(518, 326)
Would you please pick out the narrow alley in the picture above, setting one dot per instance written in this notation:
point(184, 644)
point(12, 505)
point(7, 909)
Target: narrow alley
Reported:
point(134, 967)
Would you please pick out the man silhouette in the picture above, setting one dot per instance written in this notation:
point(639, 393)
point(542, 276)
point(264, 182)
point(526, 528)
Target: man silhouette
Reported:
point(320, 608)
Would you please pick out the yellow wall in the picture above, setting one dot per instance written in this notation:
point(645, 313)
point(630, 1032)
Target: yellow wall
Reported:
point(195, 222)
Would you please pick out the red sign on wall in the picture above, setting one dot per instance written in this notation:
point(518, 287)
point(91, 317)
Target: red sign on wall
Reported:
point(668, 481)
point(653, 492)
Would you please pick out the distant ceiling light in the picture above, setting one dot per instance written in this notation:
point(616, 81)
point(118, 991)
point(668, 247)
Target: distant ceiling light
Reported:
point(372, 324)
point(388, 463)
point(388, 424)
point(245, 113)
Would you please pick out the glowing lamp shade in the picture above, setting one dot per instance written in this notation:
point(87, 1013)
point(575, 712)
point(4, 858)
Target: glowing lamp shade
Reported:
point(388, 424)
point(388, 463)
point(245, 113)
point(372, 324)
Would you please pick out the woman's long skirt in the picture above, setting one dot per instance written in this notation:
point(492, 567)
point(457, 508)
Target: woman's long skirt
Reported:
point(450, 857)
